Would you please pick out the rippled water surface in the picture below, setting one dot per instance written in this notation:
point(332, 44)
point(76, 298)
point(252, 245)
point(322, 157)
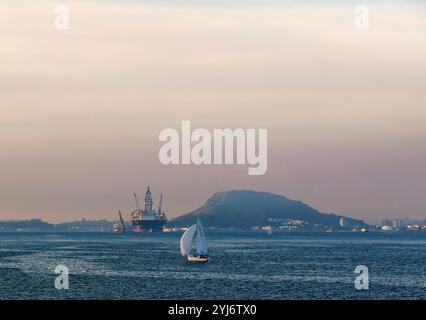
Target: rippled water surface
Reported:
point(243, 265)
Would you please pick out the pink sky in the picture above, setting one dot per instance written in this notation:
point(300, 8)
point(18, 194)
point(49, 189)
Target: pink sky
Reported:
point(81, 109)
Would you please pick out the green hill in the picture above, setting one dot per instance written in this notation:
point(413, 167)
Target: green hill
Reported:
point(243, 209)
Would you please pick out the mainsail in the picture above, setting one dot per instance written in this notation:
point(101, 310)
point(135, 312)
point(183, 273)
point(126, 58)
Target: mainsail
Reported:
point(201, 245)
point(186, 240)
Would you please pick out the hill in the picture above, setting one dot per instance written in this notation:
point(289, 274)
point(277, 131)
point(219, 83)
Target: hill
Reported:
point(244, 209)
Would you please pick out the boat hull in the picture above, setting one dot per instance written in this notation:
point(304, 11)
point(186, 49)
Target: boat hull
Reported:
point(192, 258)
point(149, 225)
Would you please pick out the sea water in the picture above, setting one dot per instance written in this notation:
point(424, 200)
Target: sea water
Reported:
point(243, 265)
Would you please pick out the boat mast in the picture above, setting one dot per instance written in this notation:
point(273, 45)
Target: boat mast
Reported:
point(160, 205)
point(121, 221)
point(138, 206)
point(200, 241)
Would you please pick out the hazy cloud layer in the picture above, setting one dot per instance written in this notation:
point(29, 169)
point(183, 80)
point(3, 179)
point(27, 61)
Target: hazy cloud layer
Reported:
point(81, 110)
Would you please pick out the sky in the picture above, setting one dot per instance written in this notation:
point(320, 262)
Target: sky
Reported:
point(81, 109)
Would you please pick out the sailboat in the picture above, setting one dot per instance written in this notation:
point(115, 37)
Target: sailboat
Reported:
point(186, 244)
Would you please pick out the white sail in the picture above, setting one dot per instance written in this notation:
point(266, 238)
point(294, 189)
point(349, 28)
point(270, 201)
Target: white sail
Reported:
point(186, 240)
point(201, 245)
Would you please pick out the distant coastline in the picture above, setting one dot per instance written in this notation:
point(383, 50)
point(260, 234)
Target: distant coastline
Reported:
point(38, 225)
point(237, 210)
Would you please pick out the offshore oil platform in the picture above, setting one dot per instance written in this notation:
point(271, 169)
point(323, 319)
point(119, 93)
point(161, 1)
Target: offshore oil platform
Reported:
point(148, 219)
